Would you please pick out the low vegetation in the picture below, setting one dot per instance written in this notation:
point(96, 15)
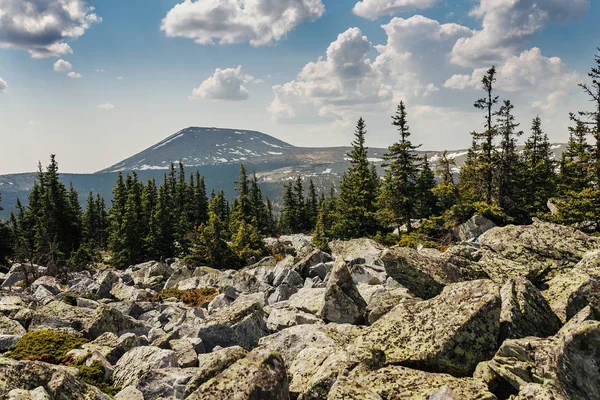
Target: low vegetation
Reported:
point(193, 297)
point(45, 345)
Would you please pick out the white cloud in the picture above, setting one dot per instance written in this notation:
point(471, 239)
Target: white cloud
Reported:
point(373, 9)
point(328, 88)
point(43, 26)
point(62, 66)
point(258, 22)
point(225, 84)
point(106, 107)
point(74, 75)
point(119, 78)
point(99, 70)
point(508, 24)
point(3, 86)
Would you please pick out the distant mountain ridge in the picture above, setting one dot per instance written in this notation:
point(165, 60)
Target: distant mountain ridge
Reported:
point(217, 153)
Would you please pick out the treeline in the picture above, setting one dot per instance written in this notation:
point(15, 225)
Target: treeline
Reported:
point(412, 202)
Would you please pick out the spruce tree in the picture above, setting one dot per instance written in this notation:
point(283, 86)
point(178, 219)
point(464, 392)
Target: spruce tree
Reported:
point(289, 210)
point(6, 240)
point(356, 208)
point(161, 236)
point(538, 170)
point(485, 159)
point(591, 119)
point(397, 197)
point(470, 183)
point(116, 215)
point(425, 197)
point(247, 243)
point(446, 190)
point(509, 163)
point(200, 201)
point(576, 170)
point(311, 208)
point(259, 208)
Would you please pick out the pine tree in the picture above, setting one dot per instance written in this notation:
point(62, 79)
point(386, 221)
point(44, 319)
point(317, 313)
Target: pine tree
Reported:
point(200, 201)
point(289, 210)
point(470, 183)
point(356, 208)
point(311, 208)
point(247, 243)
point(300, 217)
point(538, 170)
point(161, 237)
point(272, 222)
point(509, 163)
point(6, 240)
point(399, 184)
point(425, 198)
point(576, 172)
point(133, 229)
point(258, 206)
point(446, 190)
point(116, 215)
point(485, 159)
point(591, 119)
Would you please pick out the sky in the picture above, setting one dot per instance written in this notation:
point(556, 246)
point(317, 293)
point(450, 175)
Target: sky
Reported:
point(95, 82)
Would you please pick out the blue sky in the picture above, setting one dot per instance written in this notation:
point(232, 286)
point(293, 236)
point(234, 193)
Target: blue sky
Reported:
point(135, 71)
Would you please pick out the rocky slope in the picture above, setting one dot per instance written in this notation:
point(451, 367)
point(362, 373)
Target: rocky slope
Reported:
point(511, 315)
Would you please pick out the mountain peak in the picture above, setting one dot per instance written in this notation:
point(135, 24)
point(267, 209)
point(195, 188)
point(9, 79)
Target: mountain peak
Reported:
point(198, 146)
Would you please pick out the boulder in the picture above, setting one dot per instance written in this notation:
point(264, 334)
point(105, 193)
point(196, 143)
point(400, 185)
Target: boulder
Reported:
point(305, 267)
point(525, 312)
point(261, 375)
point(168, 383)
point(47, 282)
point(150, 275)
point(381, 302)
point(357, 251)
point(298, 245)
point(104, 284)
point(10, 327)
point(58, 314)
point(281, 318)
point(38, 393)
point(139, 360)
point(124, 292)
point(108, 319)
point(241, 324)
point(212, 364)
point(186, 352)
point(282, 293)
point(342, 302)
point(109, 345)
point(450, 333)
point(567, 364)
point(129, 393)
point(540, 250)
point(472, 229)
point(7, 341)
point(426, 276)
point(310, 300)
point(396, 382)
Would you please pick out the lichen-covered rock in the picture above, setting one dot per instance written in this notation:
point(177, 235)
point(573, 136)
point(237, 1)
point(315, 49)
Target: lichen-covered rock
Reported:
point(47, 282)
point(281, 318)
point(10, 327)
point(169, 383)
point(241, 324)
point(423, 275)
point(58, 381)
point(108, 319)
point(139, 360)
point(124, 292)
point(309, 300)
point(342, 303)
point(129, 393)
point(568, 363)
point(571, 291)
point(185, 352)
point(357, 251)
point(381, 302)
point(525, 312)
point(450, 333)
point(261, 375)
point(534, 251)
point(38, 393)
point(396, 382)
point(150, 275)
point(58, 314)
point(473, 228)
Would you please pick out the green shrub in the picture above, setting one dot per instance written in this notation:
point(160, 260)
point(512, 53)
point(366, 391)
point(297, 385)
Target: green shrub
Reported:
point(45, 345)
point(70, 299)
point(194, 297)
point(94, 375)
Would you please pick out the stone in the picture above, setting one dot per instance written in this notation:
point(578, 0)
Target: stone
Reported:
point(58, 314)
point(525, 312)
point(129, 393)
point(261, 375)
point(105, 282)
point(150, 275)
point(49, 283)
point(168, 383)
point(306, 265)
point(108, 319)
point(342, 302)
point(211, 364)
point(450, 333)
point(310, 300)
point(426, 276)
point(472, 229)
point(396, 382)
point(38, 393)
point(567, 363)
point(381, 302)
point(282, 293)
point(7, 341)
point(284, 318)
point(357, 251)
point(186, 352)
point(139, 360)
point(571, 291)
point(124, 292)
point(10, 327)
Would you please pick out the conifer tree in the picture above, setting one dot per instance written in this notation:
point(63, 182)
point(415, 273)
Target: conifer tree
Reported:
point(289, 210)
point(133, 228)
point(6, 240)
point(242, 209)
point(312, 206)
point(200, 201)
point(538, 170)
point(356, 208)
point(271, 220)
point(470, 183)
point(399, 184)
point(425, 198)
point(258, 206)
point(591, 119)
point(116, 215)
point(247, 243)
point(300, 217)
point(485, 159)
point(508, 165)
point(161, 237)
point(446, 190)
point(576, 172)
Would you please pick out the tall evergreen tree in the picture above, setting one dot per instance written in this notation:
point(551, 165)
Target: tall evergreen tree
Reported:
point(6, 240)
point(485, 160)
point(311, 208)
point(425, 197)
point(289, 210)
point(400, 181)
point(509, 163)
point(446, 190)
point(356, 208)
point(592, 118)
point(539, 175)
point(576, 172)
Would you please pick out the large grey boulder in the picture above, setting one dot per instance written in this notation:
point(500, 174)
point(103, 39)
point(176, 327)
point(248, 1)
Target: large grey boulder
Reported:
point(281, 318)
point(10, 327)
point(168, 383)
point(108, 319)
point(450, 333)
point(139, 360)
point(357, 251)
point(567, 364)
point(58, 314)
point(472, 229)
point(261, 375)
point(342, 302)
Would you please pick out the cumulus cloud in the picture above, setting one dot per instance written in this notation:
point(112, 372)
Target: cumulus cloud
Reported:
point(508, 24)
point(105, 107)
point(62, 66)
point(258, 22)
point(225, 84)
point(3, 86)
point(343, 80)
point(42, 26)
point(373, 9)
point(74, 75)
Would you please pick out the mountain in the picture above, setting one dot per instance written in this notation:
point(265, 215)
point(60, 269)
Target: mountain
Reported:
point(217, 153)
